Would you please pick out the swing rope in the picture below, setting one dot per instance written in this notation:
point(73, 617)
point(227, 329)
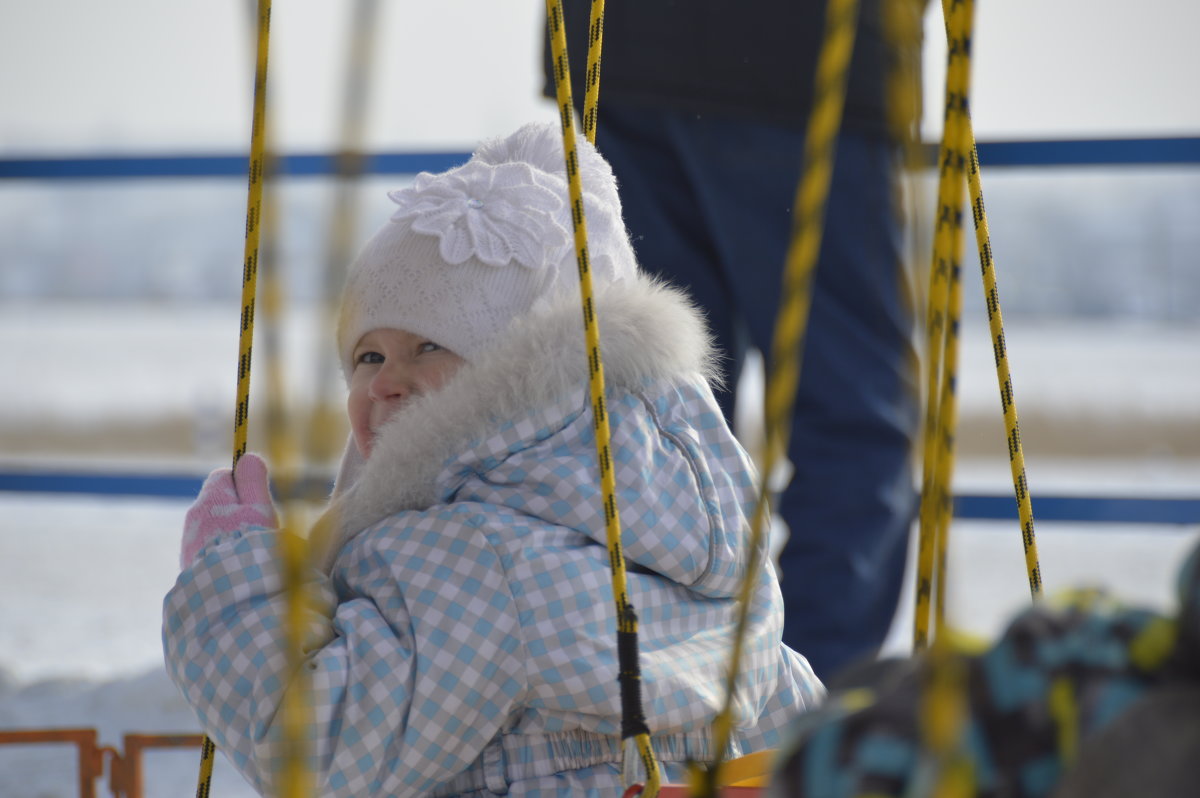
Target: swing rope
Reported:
point(293, 778)
point(944, 767)
point(249, 285)
point(591, 97)
point(281, 451)
point(944, 702)
point(788, 344)
point(322, 439)
point(284, 456)
point(942, 330)
point(253, 231)
point(633, 719)
point(1008, 404)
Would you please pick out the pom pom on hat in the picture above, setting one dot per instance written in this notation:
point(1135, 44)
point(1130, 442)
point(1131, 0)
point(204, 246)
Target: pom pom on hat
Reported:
point(471, 249)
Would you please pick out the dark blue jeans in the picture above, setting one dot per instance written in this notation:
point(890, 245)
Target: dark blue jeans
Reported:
point(708, 201)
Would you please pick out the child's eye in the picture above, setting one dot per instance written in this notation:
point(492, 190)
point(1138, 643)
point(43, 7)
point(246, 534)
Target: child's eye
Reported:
point(428, 346)
point(368, 358)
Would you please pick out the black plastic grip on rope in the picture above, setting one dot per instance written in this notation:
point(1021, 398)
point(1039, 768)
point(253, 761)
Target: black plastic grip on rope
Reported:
point(629, 677)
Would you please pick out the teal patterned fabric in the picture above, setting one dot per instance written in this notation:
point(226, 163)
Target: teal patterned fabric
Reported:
point(1060, 675)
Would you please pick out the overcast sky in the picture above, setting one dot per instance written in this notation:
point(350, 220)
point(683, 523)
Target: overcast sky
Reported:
point(174, 75)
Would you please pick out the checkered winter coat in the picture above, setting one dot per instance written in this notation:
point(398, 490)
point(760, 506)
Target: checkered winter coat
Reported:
point(463, 641)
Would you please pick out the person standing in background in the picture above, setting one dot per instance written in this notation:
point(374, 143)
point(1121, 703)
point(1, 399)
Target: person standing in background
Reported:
point(702, 115)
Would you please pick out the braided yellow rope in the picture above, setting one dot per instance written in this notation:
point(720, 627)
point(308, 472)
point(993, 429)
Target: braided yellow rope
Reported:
point(253, 230)
point(935, 516)
point(947, 771)
point(591, 97)
point(788, 343)
point(281, 450)
point(284, 456)
point(249, 284)
point(945, 311)
point(293, 779)
point(208, 755)
point(634, 727)
point(1008, 404)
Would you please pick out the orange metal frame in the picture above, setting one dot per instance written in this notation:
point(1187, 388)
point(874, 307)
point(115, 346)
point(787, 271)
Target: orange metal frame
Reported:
point(124, 769)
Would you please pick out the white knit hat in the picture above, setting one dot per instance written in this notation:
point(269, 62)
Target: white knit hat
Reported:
point(473, 248)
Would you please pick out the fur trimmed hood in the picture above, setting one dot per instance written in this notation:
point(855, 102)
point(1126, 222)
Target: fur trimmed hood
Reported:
point(649, 331)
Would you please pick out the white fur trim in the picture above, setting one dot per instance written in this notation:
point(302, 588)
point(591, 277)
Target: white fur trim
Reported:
point(648, 330)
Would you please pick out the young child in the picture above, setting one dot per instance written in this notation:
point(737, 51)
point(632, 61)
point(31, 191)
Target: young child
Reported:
point(463, 640)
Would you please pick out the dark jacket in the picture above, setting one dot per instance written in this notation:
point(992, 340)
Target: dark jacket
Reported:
point(752, 58)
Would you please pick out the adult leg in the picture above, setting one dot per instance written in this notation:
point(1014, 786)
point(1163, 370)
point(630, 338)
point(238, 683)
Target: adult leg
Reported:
point(850, 503)
point(851, 500)
point(670, 235)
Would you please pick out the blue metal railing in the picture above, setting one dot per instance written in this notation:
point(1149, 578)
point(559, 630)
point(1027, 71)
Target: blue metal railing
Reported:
point(1107, 509)
point(124, 167)
point(1054, 152)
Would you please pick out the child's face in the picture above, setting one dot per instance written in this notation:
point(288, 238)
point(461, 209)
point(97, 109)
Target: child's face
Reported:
point(390, 367)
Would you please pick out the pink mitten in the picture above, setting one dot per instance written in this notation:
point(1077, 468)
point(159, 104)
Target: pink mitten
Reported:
point(229, 500)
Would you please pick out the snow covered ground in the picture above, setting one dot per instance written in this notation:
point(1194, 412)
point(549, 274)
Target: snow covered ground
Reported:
point(81, 578)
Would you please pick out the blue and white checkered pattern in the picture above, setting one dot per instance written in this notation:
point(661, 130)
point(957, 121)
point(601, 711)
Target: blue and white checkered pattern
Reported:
point(470, 648)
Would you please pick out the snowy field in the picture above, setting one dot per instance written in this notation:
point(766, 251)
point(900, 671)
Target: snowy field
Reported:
point(81, 578)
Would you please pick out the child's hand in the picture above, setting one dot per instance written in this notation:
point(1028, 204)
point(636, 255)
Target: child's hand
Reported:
point(229, 500)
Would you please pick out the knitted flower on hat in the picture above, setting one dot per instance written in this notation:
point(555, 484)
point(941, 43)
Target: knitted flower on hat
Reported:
point(470, 250)
point(495, 214)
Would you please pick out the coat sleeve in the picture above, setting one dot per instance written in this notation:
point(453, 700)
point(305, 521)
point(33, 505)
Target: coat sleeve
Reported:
point(408, 676)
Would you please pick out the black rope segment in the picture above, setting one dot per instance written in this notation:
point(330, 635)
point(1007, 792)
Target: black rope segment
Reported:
point(629, 676)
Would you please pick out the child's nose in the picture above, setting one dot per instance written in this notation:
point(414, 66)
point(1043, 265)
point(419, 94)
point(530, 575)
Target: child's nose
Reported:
point(392, 381)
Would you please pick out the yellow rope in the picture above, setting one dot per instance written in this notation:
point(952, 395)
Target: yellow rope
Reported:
point(293, 777)
point(1016, 453)
point(1064, 711)
point(945, 312)
point(208, 754)
point(291, 549)
point(943, 334)
point(947, 769)
point(788, 343)
point(626, 619)
point(294, 550)
point(253, 229)
point(269, 323)
point(787, 347)
point(326, 428)
point(249, 284)
point(295, 780)
point(591, 97)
